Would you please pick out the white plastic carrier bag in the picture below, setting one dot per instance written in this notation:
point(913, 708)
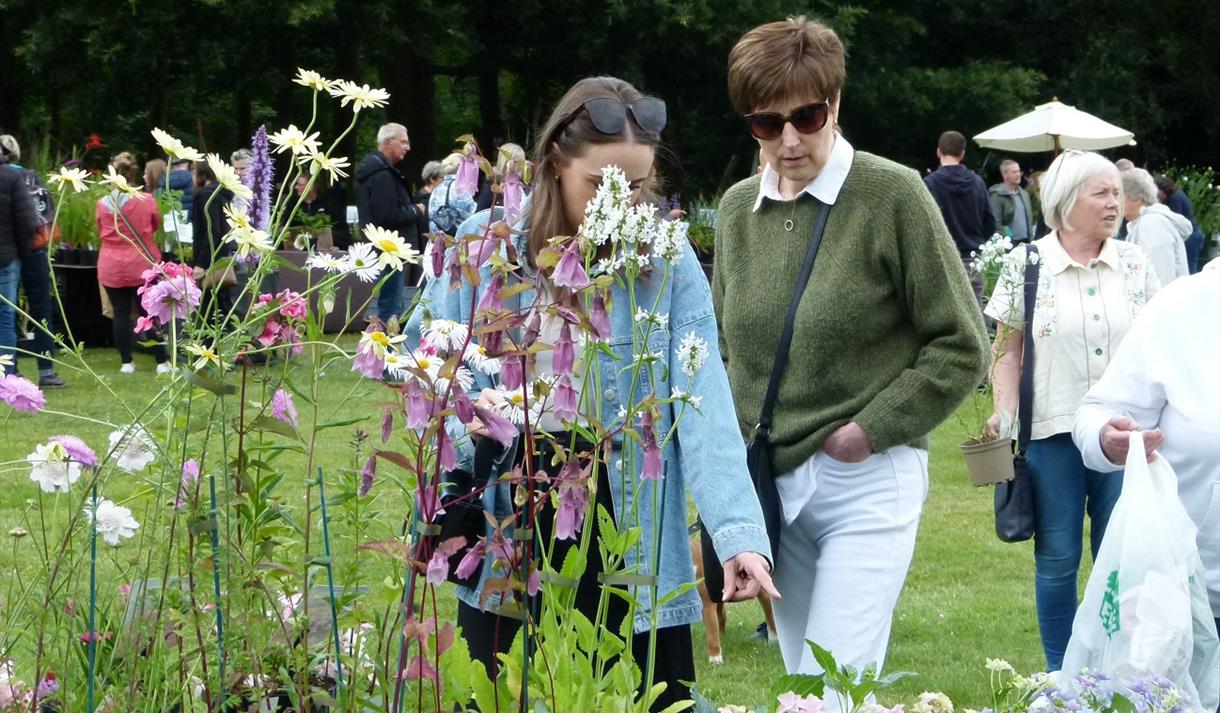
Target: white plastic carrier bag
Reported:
point(1145, 610)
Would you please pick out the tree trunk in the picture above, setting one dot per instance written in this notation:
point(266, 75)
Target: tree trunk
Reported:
point(492, 134)
point(411, 82)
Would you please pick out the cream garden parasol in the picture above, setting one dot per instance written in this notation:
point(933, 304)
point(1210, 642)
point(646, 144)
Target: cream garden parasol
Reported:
point(1054, 126)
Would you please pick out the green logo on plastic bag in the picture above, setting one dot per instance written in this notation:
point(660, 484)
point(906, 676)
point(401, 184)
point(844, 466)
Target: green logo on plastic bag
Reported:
point(1109, 606)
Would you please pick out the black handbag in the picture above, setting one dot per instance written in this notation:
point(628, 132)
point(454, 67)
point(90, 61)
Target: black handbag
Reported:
point(758, 452)
point(1014, 499)
point(463, 516)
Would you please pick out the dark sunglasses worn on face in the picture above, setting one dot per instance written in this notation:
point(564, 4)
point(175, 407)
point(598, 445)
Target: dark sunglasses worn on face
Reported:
point(808, 119)
point(609, 115)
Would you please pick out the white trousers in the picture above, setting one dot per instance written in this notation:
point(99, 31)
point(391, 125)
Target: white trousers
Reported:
point(844, 552)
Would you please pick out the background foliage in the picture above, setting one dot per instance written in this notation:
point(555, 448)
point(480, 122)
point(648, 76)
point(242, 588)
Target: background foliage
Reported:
point(203, 69)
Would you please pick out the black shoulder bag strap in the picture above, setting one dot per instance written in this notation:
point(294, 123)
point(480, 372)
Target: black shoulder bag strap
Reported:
point(1025, 391)
point(759, 452)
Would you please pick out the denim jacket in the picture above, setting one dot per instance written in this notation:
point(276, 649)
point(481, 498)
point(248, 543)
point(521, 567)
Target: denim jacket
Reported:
point(706, 454)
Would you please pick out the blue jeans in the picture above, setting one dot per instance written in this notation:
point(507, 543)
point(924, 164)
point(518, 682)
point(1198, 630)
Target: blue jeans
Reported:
point(389, 299)
point(36, 281)
point(1064, 490)
point(10, 277)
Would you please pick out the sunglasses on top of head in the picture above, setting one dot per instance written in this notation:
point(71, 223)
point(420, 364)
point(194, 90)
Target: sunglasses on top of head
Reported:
point(807, 119)
point(609, 115)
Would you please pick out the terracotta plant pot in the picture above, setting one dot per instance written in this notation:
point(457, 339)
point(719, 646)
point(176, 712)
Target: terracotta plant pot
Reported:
point(989, 462)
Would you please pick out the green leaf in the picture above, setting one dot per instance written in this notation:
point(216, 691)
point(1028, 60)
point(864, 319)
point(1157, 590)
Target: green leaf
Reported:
point(341, 423)
point(207, 383)
point(824, 658)
point(274, 425)
point(802, 684)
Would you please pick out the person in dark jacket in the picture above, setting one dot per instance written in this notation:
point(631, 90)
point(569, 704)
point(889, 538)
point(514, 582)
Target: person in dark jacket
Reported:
point(18, 221)
point(962, 197)
point(180, 179)
point(210, 227)
point(325, 199)
point(383, 199)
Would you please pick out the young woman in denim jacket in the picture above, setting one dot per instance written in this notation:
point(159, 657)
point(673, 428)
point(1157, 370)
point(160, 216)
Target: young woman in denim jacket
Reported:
point(584, 134)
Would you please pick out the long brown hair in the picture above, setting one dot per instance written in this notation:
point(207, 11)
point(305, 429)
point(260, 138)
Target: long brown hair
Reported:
point(567, 135)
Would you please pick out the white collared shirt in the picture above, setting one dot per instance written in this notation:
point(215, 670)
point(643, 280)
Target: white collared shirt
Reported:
point(825, 186)
point(1081, 314)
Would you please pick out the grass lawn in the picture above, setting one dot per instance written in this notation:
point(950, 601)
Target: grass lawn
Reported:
point(968, 596)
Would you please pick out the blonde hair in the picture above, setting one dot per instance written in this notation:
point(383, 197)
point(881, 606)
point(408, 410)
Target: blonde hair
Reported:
point(154, 174)
point(568, 134)
point(126, 165)
point(509, 155)
point(793, 59)
point(450, 163)
point(1060, 185)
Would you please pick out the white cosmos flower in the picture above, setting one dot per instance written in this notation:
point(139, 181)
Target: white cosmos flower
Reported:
point(73, 177)
point(313, 80)
point(327, 262)
point(119, 182)
point(692, 353)
point(395, 252)
point(113, 522)
point(227, 177)
point(482, 362)
point(294, 140)
point(360, 96)
point(52, 469)
point(445, 334)
point(362, 261)
point(176, 148)
point(133, 448)
point(333, 165)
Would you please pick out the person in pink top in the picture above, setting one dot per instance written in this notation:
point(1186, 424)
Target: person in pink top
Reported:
point(127, 225)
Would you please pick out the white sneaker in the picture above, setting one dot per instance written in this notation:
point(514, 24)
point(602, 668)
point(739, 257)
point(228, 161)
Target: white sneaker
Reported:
point(128, 368)
point(165, 368)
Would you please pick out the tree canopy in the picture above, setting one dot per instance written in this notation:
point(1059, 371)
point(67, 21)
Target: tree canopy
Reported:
point(212, 70)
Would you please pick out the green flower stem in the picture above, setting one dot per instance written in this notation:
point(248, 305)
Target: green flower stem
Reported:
point(220, 632)
point(92, 602)
point(330, 583)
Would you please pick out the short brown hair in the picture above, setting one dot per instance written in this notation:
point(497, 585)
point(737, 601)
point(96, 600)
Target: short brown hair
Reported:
point(126, 165)
point(952, 143)
point(783, 61)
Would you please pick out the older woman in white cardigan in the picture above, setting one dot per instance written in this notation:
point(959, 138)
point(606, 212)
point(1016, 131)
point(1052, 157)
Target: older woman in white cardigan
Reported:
point(1154, 227)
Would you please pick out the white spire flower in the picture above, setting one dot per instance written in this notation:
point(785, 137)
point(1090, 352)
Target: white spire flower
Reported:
point(327, 262)
point(679, 395)
point(227, 177)
point(669, 240)
point(119, 182)
point(394, 250)
point(176, 148)
point(692, 353)
point(52, 469)
point(294, 140)
point(333, 165)
point(113, 522)
point(660, 320)
point(362, 261)
point(445, 334)
point(313, 80)
point(360, 96)
point(133, 448)
point(70, 177)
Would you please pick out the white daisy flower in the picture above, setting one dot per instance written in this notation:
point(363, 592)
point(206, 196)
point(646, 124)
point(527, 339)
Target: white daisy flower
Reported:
point(692, 353)
point(397, 364)
point(313, 80)
point(428, 363)
point(360, 96)
point(119, 183)
point(361, 260)
point(445, 334)
point(380, 342)
point(133, 448)
point(327, 262)
point(113, 522)
point(237, 217)
point(484, 363)
point(6, 360)
point(176, 148)
point(510, 405)
point(227, 177)
point(70, 177)
point(395, 252)
point(294, 140)
point(333, 165)
point(249, 240)
point(52, 469)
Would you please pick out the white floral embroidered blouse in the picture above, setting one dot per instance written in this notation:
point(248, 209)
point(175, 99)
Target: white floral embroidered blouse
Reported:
point(1081, 314)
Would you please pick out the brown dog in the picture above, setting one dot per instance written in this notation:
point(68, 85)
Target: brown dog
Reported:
point(714, 614)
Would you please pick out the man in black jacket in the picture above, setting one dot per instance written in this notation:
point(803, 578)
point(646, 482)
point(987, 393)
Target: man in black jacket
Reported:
point(18, 221)
point(383, 198)
point(962, 197)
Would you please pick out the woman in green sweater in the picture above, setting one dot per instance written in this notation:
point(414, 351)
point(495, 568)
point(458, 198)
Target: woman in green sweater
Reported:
point(887, 341)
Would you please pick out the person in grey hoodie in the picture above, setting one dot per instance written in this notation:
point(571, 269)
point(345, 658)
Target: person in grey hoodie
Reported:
point(1154, 227)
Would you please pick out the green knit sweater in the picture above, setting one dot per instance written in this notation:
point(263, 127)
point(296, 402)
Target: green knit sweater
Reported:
point(888, 333)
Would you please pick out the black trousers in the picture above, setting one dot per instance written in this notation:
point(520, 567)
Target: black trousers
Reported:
point(487, 634)
point(122, 299)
